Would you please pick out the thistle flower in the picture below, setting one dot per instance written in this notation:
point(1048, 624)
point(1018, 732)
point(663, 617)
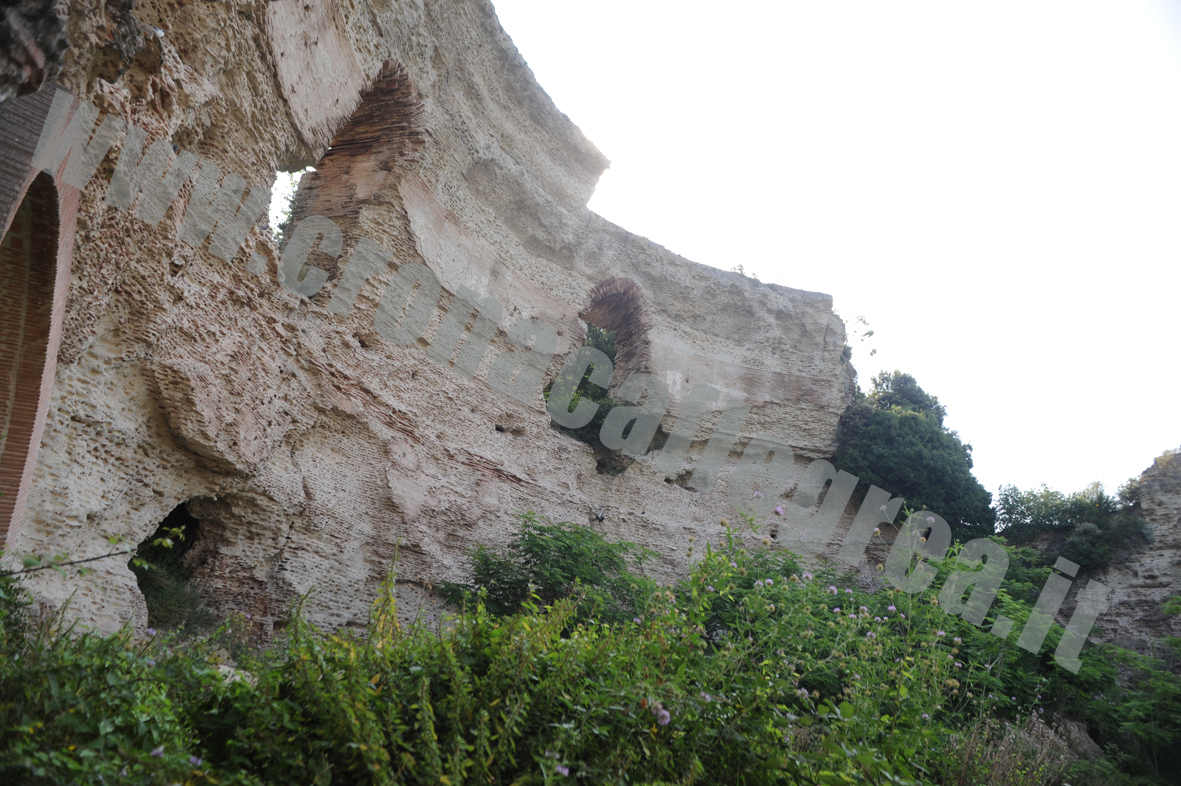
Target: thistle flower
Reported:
point(930, 519)
point(807, 577)
point(891, 608)
point(158, 752)
point(778, 510)
point(561, 769)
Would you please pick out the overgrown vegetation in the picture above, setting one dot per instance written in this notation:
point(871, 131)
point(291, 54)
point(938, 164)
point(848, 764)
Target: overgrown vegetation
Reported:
point(894, 438)
point(547, 562)
point(610, 462)
point(1086, 527)
point(751, 670)
point(163, 578)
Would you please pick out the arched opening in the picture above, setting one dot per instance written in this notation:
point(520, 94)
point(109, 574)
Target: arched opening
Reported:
point(28, 269)
point(383, 135)
point(617, 325)
point(162, 573)
point(617, 307)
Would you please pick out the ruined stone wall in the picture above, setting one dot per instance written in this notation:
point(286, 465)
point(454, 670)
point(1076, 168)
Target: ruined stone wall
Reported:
point(310, 448)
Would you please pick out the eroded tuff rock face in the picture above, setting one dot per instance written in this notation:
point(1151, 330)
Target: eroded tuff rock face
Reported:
point(1143, 579)
point(32, 42)
point(308, 446)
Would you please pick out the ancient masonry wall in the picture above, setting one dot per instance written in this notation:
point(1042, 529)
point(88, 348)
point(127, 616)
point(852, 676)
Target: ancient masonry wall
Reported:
point(310, 448)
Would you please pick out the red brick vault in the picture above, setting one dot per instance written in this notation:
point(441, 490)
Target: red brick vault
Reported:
point(39, 213)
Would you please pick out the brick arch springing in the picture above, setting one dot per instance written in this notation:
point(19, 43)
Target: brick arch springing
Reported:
point(28, 256)
point(38, 214)
point(618, 305)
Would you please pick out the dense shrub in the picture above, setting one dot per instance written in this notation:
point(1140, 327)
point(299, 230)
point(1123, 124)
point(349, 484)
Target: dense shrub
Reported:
point(1086, 527)
point(894, 438)
point(752, 670)
point(547, 562)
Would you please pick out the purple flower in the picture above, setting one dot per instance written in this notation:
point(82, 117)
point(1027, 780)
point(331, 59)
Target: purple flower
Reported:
point(732, 564)
point(836, 610)
point(562, 769)
point(877, 619)
point(1041, 709)
point(758, 494)
point(195, 761)
point(891, 608)
point(870, 635)
point(551, 755)
point(1014, 699)
point(940, 634)
point(852, 616)
point(778, 510)
point(706, 696)
point(663, 717)
point(864, 608)
point(636, 620)
point(959, 665)
point(848, 592)
point(926, 716)
point(807, 577)
point(930, 519)
point(903, 616)
point(151, 631)
point(759, 583)
point(832, 590)
point(958, 640)
point(152, 663)
point(877, 531)
point(883, 507)
point(247, 616)
point(710, 588)
point(769, 582)
point(159, 752)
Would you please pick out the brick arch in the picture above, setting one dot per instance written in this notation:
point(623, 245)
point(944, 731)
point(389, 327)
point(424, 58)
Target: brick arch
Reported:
point(385, 132)
point(38, 214)
point(618, 305)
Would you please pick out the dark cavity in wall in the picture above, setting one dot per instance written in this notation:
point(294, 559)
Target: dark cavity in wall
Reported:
point(163, 578)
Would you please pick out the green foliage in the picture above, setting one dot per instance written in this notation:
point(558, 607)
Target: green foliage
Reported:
point(894, 438)
point(158, 564)
point(748, 671)
point(547, 562)
point(604, 341)
point(1086, 527)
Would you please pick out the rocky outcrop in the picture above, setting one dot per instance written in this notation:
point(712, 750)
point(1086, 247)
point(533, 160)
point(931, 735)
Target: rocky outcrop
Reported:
point(311, 448)
point(32, 44)
point(1141, 580)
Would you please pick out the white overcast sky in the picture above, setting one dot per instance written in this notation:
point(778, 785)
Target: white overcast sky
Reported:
point(995, 186)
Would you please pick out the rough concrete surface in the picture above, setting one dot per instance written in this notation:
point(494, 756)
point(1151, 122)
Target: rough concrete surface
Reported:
point(311, 449)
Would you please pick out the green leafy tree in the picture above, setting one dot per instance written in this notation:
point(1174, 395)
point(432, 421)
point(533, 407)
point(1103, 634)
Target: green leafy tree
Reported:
point(547, 562)
point(1086, 527)
point(894, 438)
